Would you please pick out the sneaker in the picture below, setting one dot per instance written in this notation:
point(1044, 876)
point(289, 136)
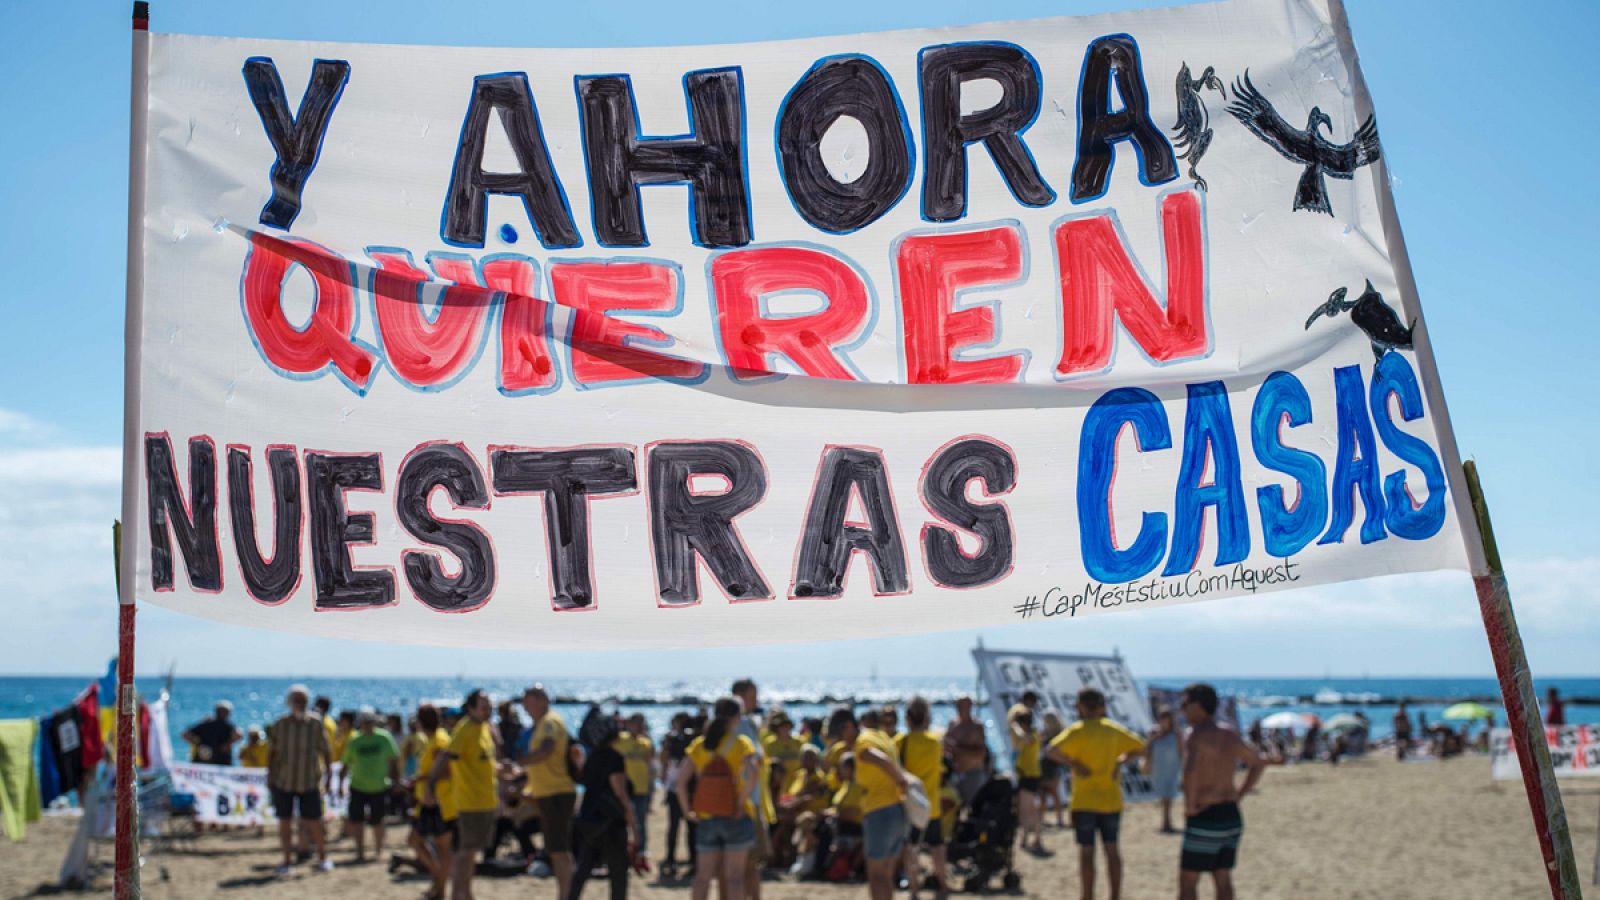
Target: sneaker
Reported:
point(325, 865)
point(540, 869)
point(283, 871)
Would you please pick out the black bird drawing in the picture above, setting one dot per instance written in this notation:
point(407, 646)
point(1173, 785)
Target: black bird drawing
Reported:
point(1318, 154)
point(1194, 122)
point(1375, 318)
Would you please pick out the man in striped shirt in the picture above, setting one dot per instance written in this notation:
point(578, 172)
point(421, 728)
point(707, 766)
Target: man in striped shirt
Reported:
point(298, 756)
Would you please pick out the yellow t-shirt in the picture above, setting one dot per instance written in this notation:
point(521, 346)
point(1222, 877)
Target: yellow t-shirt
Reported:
point(949, 807)
point(472, 767)
point(830, 762)
point(253, 757)
point(1028, 756)
point(337, 741)
point(782, 754)
point(636, 753)
point(549, 777)
point(922, 754)
point(847, 800)
point(800, 781)
point(1097, 743)
point(444, 790)
point(735, 748)
point(879, 790)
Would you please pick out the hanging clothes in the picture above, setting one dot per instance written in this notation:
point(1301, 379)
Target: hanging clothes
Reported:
point(159, 753)
point(67, 739)
point(88, 706)
point(50, 786)
point(19, 779)
point(144, 735)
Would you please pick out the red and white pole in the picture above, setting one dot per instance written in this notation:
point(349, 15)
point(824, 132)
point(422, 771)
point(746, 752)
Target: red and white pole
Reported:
point(1522, 707)
point(127, 799)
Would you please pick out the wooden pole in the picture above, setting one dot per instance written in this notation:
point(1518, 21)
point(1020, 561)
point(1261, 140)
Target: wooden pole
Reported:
point(1522, 707)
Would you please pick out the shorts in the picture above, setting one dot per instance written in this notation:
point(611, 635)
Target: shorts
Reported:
point(296, 804)
point(365, 808)
point(1049, 769)
point(429, 822)
point(1029, 783)
point(555, 821)
point(968, 784)
point(720, 833)
point(1087, 824)
point(884, 832)
point(1211, 839)
point(476, 827)
point(932, 836)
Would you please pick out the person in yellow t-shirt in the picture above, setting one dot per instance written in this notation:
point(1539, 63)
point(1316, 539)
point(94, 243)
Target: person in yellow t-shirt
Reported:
point(804, 791)
point(470, 758)
point(342, 732)
point(254, 752)
point(1096, 748)
point(1025, 748)
point(883, 783)
point(830, 762)
point(434, 826)
point(725, 766)
point(550, 782)
point(780, 758)
point(921, 752)
point(638, 756)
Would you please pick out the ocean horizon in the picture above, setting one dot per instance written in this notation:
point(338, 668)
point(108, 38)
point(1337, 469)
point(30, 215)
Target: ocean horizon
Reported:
point(258, 700)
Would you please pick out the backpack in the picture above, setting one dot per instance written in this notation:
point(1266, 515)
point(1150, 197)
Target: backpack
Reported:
point(716, 791)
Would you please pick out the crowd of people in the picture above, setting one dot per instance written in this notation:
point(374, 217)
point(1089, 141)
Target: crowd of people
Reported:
point(749, 794)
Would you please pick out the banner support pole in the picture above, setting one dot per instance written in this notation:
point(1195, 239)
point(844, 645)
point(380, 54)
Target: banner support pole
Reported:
point(126, 884)
point(1522, 707)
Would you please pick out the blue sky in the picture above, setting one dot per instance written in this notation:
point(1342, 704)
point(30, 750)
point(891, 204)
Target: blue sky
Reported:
point(1488, 118)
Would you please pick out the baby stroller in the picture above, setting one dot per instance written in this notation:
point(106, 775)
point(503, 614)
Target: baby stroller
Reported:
point(981, 847)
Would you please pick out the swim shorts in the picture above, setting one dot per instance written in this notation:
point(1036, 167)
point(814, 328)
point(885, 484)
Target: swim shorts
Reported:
point(1211, 838)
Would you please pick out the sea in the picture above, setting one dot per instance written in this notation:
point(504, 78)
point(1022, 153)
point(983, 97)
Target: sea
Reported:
point(259, 700)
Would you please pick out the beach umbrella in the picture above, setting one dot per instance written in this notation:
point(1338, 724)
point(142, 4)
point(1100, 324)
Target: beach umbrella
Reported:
point(1468, 711)
point(1342, 722)
point(1284, 721)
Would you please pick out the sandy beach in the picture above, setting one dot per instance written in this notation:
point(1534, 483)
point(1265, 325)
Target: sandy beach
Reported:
point(1372, 828)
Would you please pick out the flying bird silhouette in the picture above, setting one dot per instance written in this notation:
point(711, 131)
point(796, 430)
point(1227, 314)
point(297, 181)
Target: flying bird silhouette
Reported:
point(1375, 318)
point(1318, 154)
point(1194, 122)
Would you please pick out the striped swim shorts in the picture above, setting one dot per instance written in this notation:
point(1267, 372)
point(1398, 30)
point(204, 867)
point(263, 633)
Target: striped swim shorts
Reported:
point(1211, 838)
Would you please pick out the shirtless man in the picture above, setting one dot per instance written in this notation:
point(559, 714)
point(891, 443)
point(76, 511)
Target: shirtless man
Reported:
point(1210, 799)
point(969, 751)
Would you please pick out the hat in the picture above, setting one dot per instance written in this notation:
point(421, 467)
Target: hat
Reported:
point(224, 704)
point(779, 719)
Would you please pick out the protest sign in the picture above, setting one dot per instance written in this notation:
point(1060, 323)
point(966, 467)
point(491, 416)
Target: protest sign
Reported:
point(238, 795)
point(729, 344)
point(1574, 752)
point(1056, 678)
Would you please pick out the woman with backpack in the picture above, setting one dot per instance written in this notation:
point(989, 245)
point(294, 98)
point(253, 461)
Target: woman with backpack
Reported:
point(722, 764)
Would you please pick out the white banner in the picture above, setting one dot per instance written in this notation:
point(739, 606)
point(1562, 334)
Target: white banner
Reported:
point(1006, 675)
point(733, 344)
point(1057, 678)
point(238, 795)
point(1574, 752)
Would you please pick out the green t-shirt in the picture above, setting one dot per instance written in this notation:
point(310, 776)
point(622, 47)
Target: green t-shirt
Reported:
point(367, 758)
